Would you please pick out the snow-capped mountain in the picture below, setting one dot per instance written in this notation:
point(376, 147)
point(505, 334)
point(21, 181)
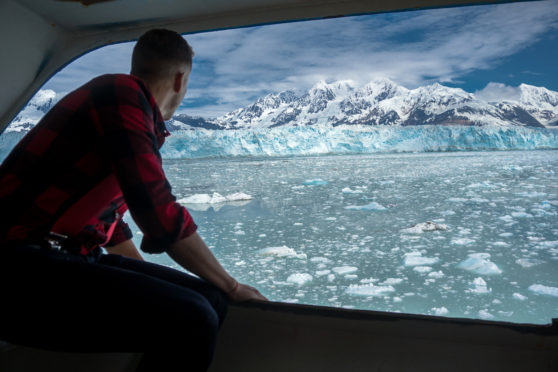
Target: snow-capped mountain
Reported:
point(380, 102)
point(383, 102)
point(34, 111)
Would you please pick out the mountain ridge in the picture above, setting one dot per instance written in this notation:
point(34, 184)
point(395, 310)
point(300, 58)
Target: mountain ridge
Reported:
point(379, 102)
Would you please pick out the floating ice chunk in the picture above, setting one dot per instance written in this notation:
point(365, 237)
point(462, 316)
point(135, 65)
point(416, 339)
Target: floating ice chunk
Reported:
point(416, 259)
point(319, 260)
point(519, 296)
point(282, 251)
point(322, 272)
point(436, 274)
point(391, 281)
point(351, 276)
point(484, 314)
point(203, 201)
point(544, 290)
point(479, 263)
point(479, 286)
point(347, 190)
point(548, 244)
point(506, 218)
point(528, 262)
point(343, 270)
point(299, 278)
point(315, 182)
point(373, 206)
point(439, 311)
point(422, 269)
point(462, 241)
point(521, 215)
point(369, 290)
point(237, 196)
point(425, 226)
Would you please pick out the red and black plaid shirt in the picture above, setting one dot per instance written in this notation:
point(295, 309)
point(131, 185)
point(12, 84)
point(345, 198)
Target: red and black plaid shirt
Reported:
point(111, 125)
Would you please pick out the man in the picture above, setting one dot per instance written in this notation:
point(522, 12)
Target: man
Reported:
point(63, 191)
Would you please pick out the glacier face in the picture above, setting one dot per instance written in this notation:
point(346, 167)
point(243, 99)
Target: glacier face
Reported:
point(317, 140)
point(341, 118)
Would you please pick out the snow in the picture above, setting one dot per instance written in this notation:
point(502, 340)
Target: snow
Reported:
point(479, 263)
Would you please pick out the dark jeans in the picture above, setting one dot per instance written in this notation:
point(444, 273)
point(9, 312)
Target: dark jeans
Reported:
point(67, 302)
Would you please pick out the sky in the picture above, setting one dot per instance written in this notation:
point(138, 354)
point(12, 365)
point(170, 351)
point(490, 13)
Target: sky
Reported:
point(486, 50)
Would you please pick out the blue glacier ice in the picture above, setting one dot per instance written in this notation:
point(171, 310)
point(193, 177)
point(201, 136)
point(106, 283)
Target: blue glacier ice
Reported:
point(317, 140)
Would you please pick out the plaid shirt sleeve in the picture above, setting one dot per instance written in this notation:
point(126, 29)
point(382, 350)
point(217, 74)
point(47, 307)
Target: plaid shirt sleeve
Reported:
point(129, 124)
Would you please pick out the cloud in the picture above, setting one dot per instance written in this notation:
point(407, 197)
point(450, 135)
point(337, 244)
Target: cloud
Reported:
point(234, 67)
point(498, 92)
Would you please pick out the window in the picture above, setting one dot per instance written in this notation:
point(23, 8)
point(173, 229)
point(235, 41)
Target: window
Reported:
point(371, 162)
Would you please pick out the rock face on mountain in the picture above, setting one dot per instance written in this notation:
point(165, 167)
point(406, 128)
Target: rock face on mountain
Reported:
point(380, 102)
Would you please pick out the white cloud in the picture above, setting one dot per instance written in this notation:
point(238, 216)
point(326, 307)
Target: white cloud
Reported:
point(498, 92)
point(234, 67)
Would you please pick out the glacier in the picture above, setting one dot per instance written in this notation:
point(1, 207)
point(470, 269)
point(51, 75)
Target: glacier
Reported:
point(320, 140)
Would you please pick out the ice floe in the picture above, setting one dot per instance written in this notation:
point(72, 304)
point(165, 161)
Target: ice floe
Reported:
point(422, 269)
point(282, 251)
point(299, 278)
point(215, 198)
point(373, 206)
point(436, 274)
point(484, 314)
point(439, 311)
point(528, 262)
point(479, 263)
point(519, 296)
point(369, 290)
point(348, 190)
point(315, 182)
point(425, 226)
point(416, 259)
point(479, 286)
point(343, 270)
point(544, 290)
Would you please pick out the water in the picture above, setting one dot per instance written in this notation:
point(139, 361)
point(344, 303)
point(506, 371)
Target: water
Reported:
point(338, 230)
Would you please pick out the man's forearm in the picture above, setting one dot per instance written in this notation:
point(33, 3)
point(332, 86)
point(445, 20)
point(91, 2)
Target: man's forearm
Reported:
point(193, 254)
point(126, 248)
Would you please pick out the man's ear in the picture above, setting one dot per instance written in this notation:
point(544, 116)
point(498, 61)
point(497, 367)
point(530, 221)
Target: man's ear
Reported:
point(177, 84)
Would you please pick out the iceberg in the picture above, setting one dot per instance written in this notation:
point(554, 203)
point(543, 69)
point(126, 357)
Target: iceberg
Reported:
point(369, 290)
point(479, 263)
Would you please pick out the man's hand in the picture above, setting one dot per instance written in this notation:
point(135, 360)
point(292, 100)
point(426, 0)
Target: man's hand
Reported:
point(244, 292)
point(192, 254)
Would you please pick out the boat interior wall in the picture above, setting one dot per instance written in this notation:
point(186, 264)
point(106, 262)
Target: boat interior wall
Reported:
point(289, 337)
point(39, 37)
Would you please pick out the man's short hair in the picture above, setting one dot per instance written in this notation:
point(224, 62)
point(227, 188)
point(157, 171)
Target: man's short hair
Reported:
point(158, 52)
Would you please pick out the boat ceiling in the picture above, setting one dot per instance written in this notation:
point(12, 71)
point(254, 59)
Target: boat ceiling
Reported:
point(39, 37)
